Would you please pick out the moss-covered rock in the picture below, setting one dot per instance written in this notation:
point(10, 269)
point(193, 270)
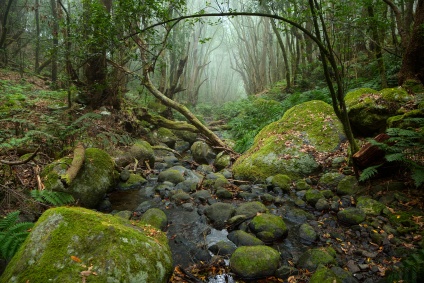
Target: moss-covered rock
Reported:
point(312, 196)
point(330, 180)
point(171, 175)
point(166, 136)
point(406, 121)
point(155, 217)
point(218, 214)
point(307, 233)
point(268, 227)
point(253, 262)
point(242, 238)
point(68, 243)
point(351, 216)
point(312, 258)
point(369, 110)
point(335, 274)
point(370, 206)
point(286, 146)
point(250, 209)
point(140, 150)
point(134, 181)
point(348, 186)
point(281, 181)
point(94, 179)
point(202, 153)
point(222, 161)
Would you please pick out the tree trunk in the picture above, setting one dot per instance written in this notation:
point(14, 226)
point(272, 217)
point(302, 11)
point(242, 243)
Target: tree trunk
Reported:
point(55, 41)
point(413, 59)
point(37, 41)
point(4, 31)
point(376, 46)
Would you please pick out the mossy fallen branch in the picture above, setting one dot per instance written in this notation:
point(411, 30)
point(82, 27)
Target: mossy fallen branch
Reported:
point(19, 162)
point(157, 120)
point(77, 162)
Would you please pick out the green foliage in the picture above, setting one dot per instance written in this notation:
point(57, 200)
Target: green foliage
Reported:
point(248, 116)
point(410, 270)
point(368, 173)
point(12, 234)
point(52, 197)
point(405, 146)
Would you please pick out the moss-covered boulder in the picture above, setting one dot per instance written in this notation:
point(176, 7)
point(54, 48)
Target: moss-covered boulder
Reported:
point(171, 175)
point(222, 161)
point(242, 238)
point(202, 153)
point(155, 217)
point(250, 209)
point(330, 180)
point(166, 136)
point(335, 274)
point(268, 227)
point(281, 181)
point(68, 244)
point(307, 233)
point(312, 258)
point(218, 214)
point(348, 186)
point(94, 179)
point(370, 206)
point(254, 262)
point(369, 110)
point(288, 146)
point(140, 150)
point(406, 121)
point(312, 196)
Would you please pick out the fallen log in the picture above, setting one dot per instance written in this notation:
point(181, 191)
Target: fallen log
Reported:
point(77, 162)
point(157, 120)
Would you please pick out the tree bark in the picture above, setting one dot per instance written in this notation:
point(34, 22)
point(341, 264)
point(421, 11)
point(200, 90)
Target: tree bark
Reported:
point(4, 31)
point(413, 59)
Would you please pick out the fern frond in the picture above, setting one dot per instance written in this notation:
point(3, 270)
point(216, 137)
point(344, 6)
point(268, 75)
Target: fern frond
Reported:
point(52, 197)
point(418, 176)
point(12, 234)
point(398, 156)
point(368, 173)
point(9, 220)
point(410, 270)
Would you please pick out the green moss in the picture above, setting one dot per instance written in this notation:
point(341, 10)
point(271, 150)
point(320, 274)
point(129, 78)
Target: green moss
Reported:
point(324, 275)
point(359, 96)
point(66, 241)
point(134, 180)
point(312, 258)
point(282, 146)
point(251, 261)
point(282, 181)
point(395, 95)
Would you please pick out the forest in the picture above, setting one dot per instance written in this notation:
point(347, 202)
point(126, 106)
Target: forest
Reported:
point(276, 141)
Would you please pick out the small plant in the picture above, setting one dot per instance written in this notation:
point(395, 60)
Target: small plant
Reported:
point(52, 197)
point(12, 234)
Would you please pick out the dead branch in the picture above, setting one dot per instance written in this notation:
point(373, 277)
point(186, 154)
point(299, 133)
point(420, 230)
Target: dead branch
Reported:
point(19, 162)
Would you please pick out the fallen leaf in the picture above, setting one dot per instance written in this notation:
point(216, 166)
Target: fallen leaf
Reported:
point(76, 259)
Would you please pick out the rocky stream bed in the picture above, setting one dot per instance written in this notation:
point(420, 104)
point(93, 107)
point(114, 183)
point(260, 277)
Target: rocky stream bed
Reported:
point(326, 227)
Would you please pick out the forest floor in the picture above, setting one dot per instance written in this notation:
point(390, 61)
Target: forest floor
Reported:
point(17, 180)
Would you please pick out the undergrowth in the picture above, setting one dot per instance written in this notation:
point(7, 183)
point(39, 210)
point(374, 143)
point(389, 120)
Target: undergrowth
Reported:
point(410, 270)
point(405, 146)
point(12, 234)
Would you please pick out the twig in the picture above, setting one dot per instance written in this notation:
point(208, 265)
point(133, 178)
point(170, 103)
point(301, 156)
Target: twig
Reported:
point(19, 162)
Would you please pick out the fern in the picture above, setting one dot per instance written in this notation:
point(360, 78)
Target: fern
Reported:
point(52, 197)
point(410, 270)
point(12, 234)
point(404, 146)
point(368, 173)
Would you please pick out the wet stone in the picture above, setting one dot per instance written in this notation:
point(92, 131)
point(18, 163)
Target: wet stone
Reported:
point(223, 248)
point(242, 238)
point(322, 204)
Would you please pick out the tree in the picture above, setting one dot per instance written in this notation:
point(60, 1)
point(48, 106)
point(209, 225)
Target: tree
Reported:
point(413, 58)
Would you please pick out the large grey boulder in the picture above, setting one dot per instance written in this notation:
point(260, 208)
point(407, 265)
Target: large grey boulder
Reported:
point(69, 245)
